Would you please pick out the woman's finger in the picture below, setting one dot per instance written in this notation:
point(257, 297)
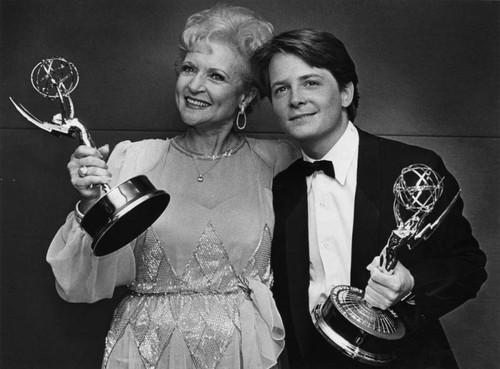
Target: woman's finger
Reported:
point(84, 150)
point(104, 150)
point(92, 161)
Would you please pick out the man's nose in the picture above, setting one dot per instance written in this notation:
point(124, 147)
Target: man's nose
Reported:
point(296, 97)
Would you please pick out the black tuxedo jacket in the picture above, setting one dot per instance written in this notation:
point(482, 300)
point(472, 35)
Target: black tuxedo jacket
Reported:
point(448, 268)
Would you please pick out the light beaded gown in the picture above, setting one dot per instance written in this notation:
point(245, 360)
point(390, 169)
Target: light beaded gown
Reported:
point(200, 276)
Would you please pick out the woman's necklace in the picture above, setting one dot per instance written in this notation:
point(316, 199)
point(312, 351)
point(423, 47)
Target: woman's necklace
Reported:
point(214, 157)
point(225, 153)
point(201, 175)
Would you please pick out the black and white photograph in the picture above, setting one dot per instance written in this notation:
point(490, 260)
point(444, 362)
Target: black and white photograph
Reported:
point(249, 184)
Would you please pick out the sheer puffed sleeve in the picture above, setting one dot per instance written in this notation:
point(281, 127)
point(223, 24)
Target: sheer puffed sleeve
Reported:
point(80, 276)
point(278, 154)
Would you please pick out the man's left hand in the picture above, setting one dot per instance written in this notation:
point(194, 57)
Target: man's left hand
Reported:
point(385, 289)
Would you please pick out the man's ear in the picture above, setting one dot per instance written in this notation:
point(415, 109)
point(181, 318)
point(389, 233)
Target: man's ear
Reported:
point(347, 94)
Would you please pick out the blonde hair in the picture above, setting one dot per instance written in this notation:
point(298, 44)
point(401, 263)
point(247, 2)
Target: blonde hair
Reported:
point(237, 26)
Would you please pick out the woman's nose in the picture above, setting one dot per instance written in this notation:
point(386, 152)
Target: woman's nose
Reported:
point(197, 83)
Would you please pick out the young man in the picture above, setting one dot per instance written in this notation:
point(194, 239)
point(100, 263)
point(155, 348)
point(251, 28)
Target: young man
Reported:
point(332, 223)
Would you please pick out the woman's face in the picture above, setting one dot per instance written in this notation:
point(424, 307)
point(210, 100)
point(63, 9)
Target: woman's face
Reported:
point(209, 88)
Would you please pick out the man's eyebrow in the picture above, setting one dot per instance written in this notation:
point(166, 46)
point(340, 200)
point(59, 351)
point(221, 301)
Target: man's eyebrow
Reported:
point(301, 78)
point(307, 76)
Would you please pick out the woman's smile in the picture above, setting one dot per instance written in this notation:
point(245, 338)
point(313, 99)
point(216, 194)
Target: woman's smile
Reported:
point(195, 103)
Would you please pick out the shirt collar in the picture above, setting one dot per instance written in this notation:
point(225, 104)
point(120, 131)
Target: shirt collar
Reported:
point(343, 153)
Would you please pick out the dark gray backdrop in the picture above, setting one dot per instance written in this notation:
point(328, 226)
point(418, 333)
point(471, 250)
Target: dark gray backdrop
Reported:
point(428, 75)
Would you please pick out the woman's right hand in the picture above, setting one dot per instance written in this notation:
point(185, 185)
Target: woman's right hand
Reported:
point(88, 184)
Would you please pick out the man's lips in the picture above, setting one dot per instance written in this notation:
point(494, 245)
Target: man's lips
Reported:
point(299, 116)
point(195, 102)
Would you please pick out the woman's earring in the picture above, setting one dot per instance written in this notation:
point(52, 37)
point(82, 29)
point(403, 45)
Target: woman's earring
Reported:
point(241, 113)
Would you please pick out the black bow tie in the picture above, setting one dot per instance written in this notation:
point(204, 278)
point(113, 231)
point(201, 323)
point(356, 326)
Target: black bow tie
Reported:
point(325, 166)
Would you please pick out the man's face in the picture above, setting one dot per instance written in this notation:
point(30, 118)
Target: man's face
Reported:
point(309, 105)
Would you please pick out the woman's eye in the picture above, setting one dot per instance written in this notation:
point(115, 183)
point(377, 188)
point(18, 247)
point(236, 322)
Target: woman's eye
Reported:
point(217, 77)
point(187, 69)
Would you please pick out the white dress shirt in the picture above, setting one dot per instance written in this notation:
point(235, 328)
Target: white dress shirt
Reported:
point(331, 216)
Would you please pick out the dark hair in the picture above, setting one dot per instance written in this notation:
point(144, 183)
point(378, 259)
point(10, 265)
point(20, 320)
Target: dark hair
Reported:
point(318, 49)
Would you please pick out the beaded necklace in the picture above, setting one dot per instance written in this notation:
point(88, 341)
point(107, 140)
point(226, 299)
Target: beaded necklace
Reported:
point(213, 157)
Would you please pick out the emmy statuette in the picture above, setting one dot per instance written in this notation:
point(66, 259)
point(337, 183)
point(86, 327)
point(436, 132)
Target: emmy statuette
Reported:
point(360, 331)
point(122, 213)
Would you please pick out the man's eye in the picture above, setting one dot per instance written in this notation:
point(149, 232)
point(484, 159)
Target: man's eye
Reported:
point(311, 83)
point(279, 90)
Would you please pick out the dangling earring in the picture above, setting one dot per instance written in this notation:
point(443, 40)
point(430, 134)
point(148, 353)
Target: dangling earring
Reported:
point(240, 113)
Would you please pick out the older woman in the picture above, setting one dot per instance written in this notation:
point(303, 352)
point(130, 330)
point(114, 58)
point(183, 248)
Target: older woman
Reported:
point(199, 277)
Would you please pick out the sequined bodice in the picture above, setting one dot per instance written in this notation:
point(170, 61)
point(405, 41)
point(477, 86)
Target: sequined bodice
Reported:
point(209, 270)
point(202, 303)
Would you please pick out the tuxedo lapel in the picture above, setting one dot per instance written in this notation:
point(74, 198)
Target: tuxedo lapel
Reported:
point(290, 192)
point(366, 209)
point(297, 258)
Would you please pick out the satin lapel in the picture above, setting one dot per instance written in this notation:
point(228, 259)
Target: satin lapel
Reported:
point(366, 209)
point(297, 246)
point(297, 256)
